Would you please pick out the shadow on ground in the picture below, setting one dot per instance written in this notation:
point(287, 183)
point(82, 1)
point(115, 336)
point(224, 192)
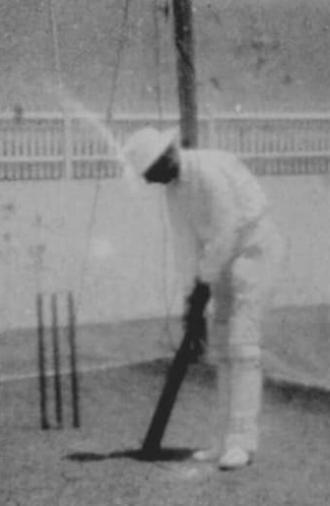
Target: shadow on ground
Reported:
point(162, 455)
point(101, 463)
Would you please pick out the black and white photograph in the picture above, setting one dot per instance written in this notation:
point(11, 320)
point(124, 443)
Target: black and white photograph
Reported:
point(164, 253)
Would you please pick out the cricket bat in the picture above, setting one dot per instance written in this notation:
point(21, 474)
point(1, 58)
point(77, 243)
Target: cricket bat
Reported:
point(195, 333)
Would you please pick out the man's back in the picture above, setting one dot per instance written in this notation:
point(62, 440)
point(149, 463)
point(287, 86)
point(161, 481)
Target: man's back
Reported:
point(215, 199)
point(225, 177)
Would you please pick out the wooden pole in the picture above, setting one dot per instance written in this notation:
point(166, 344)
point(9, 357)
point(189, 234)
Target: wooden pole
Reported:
point(184, 42)
point(56, 362)
point(44, 421)
point(67, 130)
point(185, 51)
point(73, 363)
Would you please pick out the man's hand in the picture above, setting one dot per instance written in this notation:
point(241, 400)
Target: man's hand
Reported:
point(194, 318)
point(199, 297)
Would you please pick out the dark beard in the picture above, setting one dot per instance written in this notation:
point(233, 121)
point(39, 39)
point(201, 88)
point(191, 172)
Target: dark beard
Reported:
point(163, 171)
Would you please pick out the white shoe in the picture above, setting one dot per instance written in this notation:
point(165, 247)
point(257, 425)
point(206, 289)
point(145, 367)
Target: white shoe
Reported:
point(206, 455)
point(235, 458)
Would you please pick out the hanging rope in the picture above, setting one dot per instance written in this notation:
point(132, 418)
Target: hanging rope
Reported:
point(114, 85)
point(60, 86)
point(116, 69)
point(159, 104)
point(115, 78)
point(59, 83)
point(59, 79)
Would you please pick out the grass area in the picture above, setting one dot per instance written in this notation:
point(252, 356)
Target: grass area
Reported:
point(95, 465)
point(98, 464)
point(271, 54)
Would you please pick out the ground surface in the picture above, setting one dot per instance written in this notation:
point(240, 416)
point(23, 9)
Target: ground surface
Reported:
point(95, 465)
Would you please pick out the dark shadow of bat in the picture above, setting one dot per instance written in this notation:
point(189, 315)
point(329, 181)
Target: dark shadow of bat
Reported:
point(161, 455)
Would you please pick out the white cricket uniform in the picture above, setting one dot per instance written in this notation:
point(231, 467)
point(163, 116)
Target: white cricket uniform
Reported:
point(224, 236)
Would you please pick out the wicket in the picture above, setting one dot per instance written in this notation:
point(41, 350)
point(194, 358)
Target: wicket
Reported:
point(56, 332)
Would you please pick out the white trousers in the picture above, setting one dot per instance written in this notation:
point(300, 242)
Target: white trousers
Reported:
point(241, 297)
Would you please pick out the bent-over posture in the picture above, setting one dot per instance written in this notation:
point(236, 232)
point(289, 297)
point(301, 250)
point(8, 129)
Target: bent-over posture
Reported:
point(228, 248)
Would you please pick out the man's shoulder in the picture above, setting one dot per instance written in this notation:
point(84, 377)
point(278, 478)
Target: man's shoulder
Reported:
point(209, 158)
point(222, 168)
point(218, 163)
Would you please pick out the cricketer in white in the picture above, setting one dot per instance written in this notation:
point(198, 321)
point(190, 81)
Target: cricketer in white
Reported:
point(225, 240)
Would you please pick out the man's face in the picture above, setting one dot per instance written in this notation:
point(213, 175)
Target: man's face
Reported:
point(165, 169)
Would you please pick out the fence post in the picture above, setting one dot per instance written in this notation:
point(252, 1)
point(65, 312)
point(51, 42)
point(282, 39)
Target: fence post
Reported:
point(212, 140)
point(67, 145)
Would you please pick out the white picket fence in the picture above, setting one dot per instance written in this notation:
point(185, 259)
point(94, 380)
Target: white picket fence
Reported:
point(51, 146)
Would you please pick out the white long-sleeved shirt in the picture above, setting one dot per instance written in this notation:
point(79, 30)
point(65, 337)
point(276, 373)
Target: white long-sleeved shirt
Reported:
point(214, 200)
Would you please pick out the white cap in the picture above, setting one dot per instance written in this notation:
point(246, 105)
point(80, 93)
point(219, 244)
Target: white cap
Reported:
point(146, 146)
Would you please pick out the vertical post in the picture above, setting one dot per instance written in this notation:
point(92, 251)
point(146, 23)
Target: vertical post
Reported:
point(42, 365)
point(58, 72)
point(116, 67)
point(212, 138)
point(185, 49)
point(73, 362)
point(67, 145)
point(56, 359)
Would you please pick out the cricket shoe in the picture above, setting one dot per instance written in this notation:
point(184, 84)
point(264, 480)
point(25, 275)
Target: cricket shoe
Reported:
point(235, 458)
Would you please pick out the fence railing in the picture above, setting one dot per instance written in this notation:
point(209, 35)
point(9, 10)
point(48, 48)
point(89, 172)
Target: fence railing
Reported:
point(50, 146)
